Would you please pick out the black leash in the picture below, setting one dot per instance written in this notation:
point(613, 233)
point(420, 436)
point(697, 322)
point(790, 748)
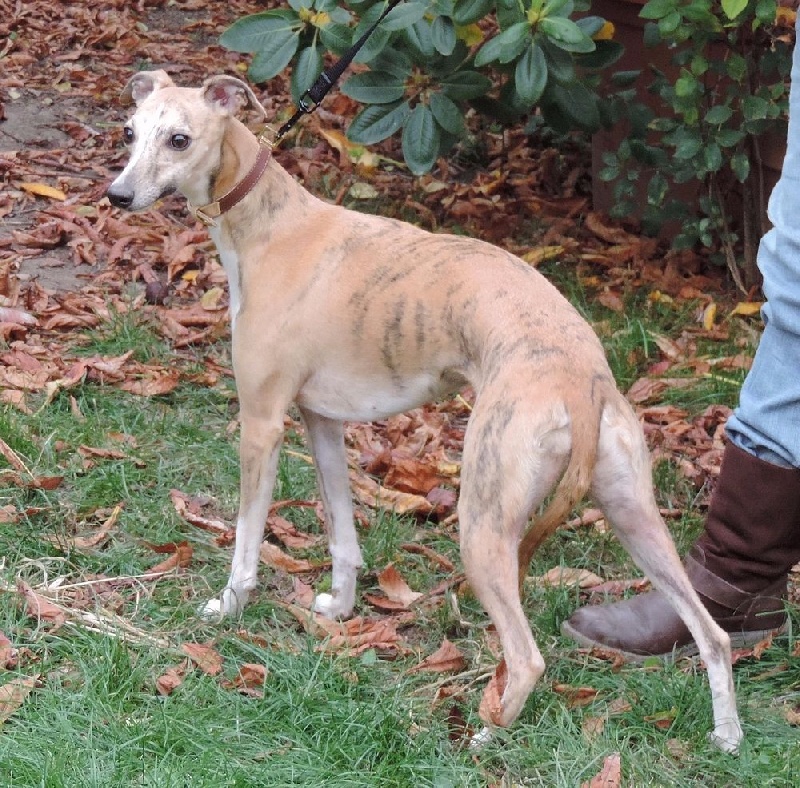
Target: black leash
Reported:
point(312, 98)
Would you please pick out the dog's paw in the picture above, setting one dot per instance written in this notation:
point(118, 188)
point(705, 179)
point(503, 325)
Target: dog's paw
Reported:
point(481, 738)
point(727, 737)
point(212, 610)
point(331, 607)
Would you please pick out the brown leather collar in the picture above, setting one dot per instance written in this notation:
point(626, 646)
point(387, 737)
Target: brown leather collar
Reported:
point(208, 214)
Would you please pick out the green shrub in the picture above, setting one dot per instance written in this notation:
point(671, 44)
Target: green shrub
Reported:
point(729, 88)
point(430, 60)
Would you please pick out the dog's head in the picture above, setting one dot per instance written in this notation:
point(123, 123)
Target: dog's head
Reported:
point(175, 136)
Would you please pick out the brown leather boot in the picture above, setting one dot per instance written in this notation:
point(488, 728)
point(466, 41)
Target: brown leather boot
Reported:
point(739, 566)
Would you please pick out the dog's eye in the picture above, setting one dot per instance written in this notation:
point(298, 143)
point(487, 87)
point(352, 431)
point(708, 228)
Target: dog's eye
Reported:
point(127, 135)
point(179, 141)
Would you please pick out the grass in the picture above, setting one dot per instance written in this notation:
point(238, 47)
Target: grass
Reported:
point(95, 718)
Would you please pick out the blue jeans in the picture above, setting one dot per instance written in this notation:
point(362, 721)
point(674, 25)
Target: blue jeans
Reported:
point(767, 421)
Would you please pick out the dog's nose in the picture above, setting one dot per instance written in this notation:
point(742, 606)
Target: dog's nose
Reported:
point(121, 199)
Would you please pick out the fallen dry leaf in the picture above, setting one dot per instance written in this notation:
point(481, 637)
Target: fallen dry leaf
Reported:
point(747, 308)
point(13, 695)
point(20, 316)
point(376, 496)
point(205, 656)
point(43, 190)
point(678, 749)
point(395, 587)
point(8, 654)
point(444, 563)
point(592, 727)
point(30, 483)
point(611, 300)
point(355, 635)
point(568, 577)
point(755, 651)
point(289, 534)
point(446, 659)
point(249, 680)
point(491, 708)
point(273, 556)
point(575, 697)
point(13, 459)
point(459, 731)
point(9, 513)
point(180, 556)
point(361, 635)
point(101, 534)
point(610, 776)
point(188, 508)
point(169, 681)
point(41, 608)
point(154, 384)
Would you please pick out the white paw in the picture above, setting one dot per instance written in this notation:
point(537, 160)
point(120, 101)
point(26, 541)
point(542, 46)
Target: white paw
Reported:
point(727, 737)
point(481, 738)
point(212, 610)
point(331, 607)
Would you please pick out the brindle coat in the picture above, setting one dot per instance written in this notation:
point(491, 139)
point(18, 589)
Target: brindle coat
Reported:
point(356, 317)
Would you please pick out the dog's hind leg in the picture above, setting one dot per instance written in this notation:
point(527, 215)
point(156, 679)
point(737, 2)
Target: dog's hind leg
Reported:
point(326, 437)
point(623, 488)
point(512, 458)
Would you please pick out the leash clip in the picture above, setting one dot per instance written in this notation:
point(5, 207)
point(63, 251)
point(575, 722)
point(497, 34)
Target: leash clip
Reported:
point(268, 136)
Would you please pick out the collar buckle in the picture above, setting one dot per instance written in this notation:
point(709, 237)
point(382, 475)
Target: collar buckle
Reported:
point(208, 214)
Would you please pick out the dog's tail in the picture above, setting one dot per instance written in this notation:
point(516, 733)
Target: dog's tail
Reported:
point(577, 478)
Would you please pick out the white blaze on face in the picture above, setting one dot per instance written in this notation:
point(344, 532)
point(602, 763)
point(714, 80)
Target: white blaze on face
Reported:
point(156, 166)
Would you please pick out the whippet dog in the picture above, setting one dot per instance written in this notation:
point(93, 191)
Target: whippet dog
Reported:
point(357, 317)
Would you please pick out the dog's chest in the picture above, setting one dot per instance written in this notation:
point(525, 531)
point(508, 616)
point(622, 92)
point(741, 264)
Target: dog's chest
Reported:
point(230, 262)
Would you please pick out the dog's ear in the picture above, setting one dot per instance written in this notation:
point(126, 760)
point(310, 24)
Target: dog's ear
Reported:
point(229, 95)
point(141, 85)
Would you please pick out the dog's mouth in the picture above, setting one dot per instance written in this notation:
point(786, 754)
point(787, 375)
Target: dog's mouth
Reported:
point(166, 191)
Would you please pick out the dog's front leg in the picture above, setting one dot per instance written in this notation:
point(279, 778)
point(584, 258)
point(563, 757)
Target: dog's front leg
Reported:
point(260, 445)
point(327, 445)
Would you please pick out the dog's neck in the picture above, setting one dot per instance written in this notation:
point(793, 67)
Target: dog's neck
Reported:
point(238, 152)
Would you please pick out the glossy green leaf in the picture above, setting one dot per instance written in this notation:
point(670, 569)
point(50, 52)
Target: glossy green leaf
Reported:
point(255, 33)
point(657, 9)
point(421, 140)
point(306, 69)
point(447, 114)
point(443, 35)
point(505, 46)
point(377, 122)
point(335, 38)
point(712, 157)
point(530, 75)
point(468, 11)
point(374, 87)
point(465, 85)
point(566, 35)
point(420, 38)
point(733, 8)
point(740, 164)
point(404, 15)
point(274, 57)
point(719, 114)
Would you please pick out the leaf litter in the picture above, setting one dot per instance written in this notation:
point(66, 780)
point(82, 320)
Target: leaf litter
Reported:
point(71, 264)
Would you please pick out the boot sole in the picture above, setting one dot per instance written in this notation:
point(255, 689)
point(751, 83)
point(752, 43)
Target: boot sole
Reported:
point(738, 640)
